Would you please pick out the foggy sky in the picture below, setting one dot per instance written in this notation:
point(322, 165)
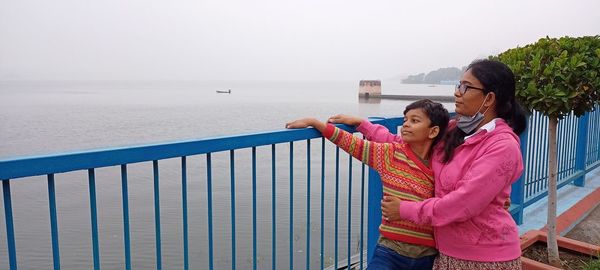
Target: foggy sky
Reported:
point(270, 39)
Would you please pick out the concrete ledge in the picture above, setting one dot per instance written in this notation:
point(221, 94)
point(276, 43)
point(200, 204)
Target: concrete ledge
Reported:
point(570, 218)
point(535, 215)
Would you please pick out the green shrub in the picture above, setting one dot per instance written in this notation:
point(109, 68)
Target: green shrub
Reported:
point(557, 76)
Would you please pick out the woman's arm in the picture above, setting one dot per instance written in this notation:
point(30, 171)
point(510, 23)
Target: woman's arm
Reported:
point(372, 132)
point(307, 122)
point(377, 133)
point(488, 175)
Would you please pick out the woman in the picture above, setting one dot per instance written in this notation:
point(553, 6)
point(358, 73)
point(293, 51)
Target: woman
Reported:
point(474, 167)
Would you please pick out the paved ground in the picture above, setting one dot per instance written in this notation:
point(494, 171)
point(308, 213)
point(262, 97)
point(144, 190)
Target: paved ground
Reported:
point(534, 216)
point(588, 230)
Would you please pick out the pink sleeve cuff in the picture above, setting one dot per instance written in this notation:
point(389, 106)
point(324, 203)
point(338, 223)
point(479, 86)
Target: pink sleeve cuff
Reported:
point(365, 127)
point(409, 210)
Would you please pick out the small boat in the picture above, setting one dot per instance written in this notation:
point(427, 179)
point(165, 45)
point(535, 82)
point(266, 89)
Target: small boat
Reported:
point(224, 92)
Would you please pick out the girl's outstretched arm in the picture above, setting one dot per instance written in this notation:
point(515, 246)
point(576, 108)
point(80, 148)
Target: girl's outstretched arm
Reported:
point(373, 154)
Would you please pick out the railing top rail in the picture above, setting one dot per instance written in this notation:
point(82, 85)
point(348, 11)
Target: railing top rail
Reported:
point(72, 161)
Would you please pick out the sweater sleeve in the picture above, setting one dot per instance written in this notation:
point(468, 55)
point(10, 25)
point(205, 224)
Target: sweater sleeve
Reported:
point(488, 175)
point(377, 133)
point(370, 153)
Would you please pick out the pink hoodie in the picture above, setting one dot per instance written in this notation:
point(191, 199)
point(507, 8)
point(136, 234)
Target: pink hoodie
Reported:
point(467, 212)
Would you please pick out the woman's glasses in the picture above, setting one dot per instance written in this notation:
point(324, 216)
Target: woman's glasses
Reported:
point(462, 88)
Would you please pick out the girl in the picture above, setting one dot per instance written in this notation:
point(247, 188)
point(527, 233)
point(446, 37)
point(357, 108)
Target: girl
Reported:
point(405, 174)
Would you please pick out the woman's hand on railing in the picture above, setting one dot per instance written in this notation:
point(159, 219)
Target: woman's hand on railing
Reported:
point(345, 119)
point(307, 122)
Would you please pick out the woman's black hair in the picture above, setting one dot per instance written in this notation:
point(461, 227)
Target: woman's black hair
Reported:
point(438, 115)
point(495, 77)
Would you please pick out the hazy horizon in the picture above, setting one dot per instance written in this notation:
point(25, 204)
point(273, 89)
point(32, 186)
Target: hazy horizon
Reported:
point(269, 40)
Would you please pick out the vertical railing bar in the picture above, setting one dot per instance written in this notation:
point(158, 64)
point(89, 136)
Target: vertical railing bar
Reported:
point(273, 210)
point(530, 148)
point(539, 154)
point(53, 222)
point(593, 122)
point(94, 217)
point(362, 213)
point(157, 214)
point(597, 124)
point(597, 139)
point(308, 204)
point(184, 209)
point(322, 201)
point(209, 193)
point(559, 152)
point(574, 143)
point(544, 157)
point(591, 140)
point(10, 228)
point(291, 205)
point(526, 160)
point(563, 151)
point(125, 198)
point(533, 154)
point(566, 141)
point(597, 113)
point(571, 140)
point(560, 159)
point(546, 123)
point(254, 239)
point(589, 143)
point(530, 156)
point(337, 187)
point(579, 157)
point(574, 156)
point(233, 240)
point(349, 208)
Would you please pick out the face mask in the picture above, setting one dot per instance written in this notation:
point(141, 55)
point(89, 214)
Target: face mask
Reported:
point(468, 123)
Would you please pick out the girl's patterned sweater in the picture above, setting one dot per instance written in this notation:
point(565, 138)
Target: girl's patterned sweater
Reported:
point(403, 175)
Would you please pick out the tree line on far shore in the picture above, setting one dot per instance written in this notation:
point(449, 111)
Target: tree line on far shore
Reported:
point(436, 76)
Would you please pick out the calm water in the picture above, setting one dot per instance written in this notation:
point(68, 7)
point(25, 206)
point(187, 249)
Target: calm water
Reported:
point(43, 117)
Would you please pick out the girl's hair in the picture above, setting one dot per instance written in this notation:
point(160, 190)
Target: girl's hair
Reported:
point(438, 115)
point(495, 77)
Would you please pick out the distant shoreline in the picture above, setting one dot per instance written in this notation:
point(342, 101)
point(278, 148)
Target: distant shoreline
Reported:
point(409, 97)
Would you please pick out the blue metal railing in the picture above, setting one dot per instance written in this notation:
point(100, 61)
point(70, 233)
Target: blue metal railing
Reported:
point(579, 152)
point(21, 168)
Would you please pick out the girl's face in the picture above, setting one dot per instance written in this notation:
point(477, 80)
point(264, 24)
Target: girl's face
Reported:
point(469, 103)
point(416, 127)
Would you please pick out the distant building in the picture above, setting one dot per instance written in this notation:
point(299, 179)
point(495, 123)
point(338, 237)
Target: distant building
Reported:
point(369, 88)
